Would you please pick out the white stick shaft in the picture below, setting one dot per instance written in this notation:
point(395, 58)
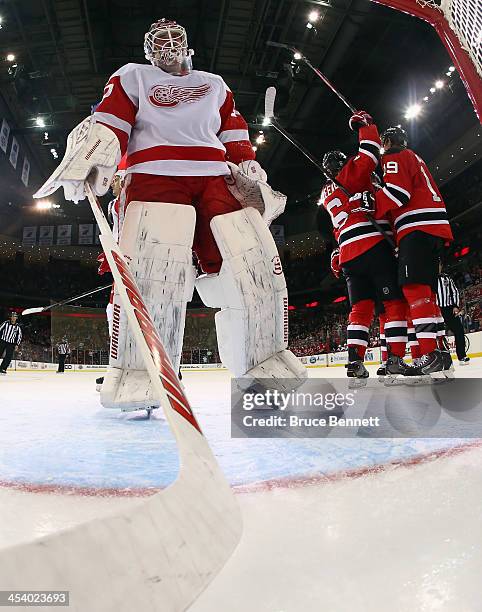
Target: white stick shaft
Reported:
point(161, 554)
point(269, 100)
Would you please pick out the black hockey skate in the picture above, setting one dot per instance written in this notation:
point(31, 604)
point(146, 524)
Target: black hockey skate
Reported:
point(382, 372)
point(355, 370)
point(434, 364)
point(449, 370)
point(398, 372)
point(98, 383)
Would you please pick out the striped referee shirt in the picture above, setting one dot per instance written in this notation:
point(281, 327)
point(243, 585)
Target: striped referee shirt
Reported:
point(10, 333)
point(63, 348)
point(447, 292)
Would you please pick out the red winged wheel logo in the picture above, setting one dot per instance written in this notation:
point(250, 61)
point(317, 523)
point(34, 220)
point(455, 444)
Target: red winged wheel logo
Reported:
point(171, 95)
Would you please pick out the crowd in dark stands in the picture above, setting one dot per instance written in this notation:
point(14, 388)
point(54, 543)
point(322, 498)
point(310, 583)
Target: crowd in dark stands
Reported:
point(55, 280)
point(316, 330)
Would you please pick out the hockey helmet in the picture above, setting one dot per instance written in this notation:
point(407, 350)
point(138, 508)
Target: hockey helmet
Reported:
point(397, 136)
point(333, 162)
point(165, 46)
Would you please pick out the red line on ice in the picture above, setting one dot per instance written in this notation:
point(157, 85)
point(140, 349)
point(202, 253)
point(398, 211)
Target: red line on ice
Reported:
point(288, 482)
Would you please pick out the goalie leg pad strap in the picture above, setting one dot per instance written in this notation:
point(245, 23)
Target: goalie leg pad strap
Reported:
point(157, 242)
point(250, 289)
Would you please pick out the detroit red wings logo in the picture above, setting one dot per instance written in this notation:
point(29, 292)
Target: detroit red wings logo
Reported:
point(167, 96)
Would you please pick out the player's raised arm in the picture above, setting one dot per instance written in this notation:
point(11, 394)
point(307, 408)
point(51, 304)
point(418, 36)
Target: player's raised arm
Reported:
point(355, 175)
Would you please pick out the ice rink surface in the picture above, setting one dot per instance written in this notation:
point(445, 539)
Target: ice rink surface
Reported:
point(329, 524)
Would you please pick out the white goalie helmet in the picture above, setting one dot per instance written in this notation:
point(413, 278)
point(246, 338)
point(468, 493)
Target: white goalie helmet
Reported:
point(165, 46)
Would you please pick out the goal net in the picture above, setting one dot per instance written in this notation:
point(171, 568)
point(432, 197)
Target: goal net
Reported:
point(459, 25)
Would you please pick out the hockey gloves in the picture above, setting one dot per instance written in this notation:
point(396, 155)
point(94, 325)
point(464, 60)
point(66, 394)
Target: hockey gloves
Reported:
point(363, 202)
point(360, 119)
point(335, 263)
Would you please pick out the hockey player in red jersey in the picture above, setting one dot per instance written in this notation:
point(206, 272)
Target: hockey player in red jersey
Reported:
point(419, 218)
point(365, 257)
point(192, 183)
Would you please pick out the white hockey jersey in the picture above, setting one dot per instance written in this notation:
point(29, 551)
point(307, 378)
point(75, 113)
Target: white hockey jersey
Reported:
point(174, 125)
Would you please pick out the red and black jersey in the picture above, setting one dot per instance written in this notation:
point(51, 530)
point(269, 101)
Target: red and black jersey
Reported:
point(411, 197)
point(353, 232)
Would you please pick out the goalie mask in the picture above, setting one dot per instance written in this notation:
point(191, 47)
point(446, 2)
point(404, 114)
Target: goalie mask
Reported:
point(165, 46)
point(333, 162)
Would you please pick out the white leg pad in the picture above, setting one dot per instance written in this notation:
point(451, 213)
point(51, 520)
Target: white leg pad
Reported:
point(250, 289)
point(157, 242)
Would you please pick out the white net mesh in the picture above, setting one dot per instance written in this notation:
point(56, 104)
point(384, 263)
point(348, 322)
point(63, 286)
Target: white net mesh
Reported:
point(465, 19)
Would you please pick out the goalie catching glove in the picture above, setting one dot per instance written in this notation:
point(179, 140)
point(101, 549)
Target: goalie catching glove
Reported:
point(92, 154)
point(247, 183)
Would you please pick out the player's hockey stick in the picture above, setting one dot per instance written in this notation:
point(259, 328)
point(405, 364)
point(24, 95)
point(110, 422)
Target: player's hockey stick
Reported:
point(319, 74)
point(269, 101)
point(162, 553)
point(29, 311)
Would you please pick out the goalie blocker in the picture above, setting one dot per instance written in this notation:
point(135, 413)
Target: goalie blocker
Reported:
point(250, 289)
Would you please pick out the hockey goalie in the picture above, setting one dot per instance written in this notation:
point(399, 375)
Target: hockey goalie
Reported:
point(192, 184)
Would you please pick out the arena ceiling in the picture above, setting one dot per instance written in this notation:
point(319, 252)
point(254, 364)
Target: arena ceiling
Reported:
point(65, 50)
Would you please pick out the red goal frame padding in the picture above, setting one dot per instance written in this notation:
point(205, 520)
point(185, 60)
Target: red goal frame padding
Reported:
point(460, 57)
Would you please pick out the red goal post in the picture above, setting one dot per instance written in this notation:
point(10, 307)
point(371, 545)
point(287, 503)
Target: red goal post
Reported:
point(459, 25)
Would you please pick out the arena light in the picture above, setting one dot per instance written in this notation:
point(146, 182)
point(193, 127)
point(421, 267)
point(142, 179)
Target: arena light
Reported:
point(297, 56)
point(40, 122)
point(413, 111)
point(432, 90)
point(464, 251)
point(309, 25)
point(43, 204)
point(337, 300)
point(312, 304)
point(439, 84)
point(46, 205)
point(266, 121)
point(452, 69)
point(313, 16)
point(10, 57)
point(260, 139)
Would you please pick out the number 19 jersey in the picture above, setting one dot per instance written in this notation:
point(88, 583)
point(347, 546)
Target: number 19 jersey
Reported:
point(411, 195)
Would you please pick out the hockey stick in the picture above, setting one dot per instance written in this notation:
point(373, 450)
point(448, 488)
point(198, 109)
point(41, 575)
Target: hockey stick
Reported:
point(269, 101)
point(162, 553)
point(29, 311)
point(318, 73)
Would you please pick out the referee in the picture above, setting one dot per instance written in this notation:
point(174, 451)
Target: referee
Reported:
point(10, 337)
point(63, 349)
point(448, 298)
